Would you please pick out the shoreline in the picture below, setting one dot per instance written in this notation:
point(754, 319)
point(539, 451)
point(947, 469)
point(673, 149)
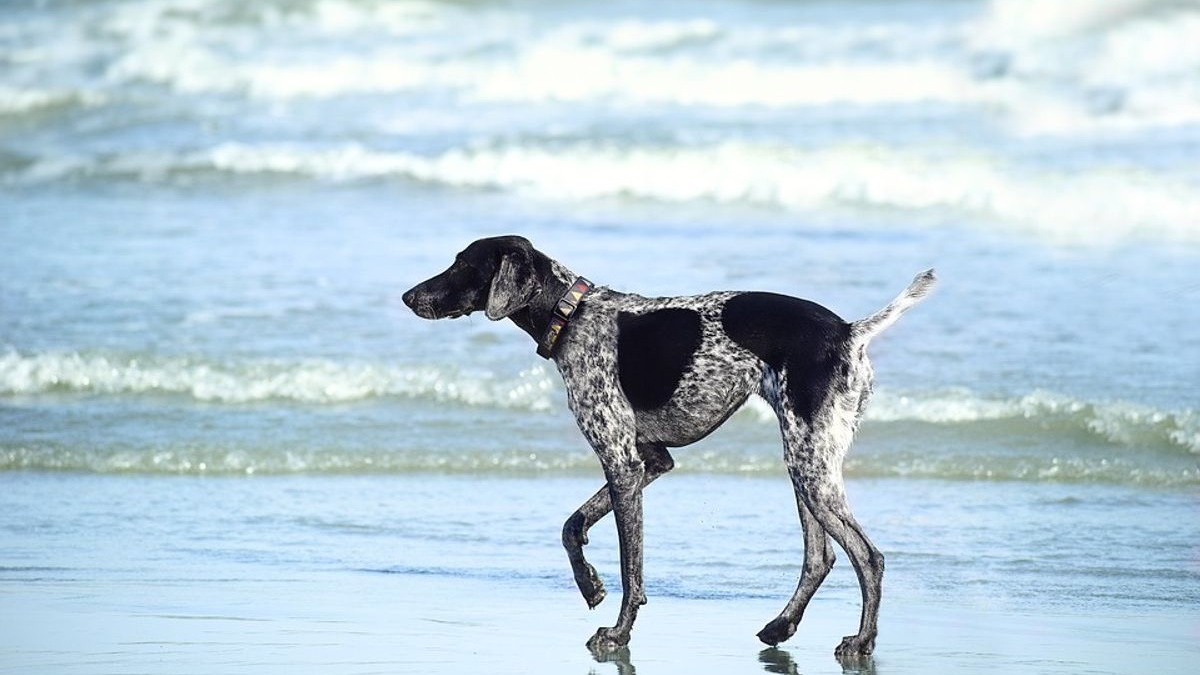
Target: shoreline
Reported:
point(367, 622)
point(450, 574)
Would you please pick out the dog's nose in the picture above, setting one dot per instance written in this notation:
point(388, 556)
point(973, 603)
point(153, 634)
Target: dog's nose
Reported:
point(410, 298)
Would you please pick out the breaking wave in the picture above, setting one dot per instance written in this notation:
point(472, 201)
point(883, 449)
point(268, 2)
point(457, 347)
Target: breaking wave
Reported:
point(1060, 68)
point(1040, 412)
point(537, 389)
point(1095, 206)
point(309, 381)
point(1092, 65)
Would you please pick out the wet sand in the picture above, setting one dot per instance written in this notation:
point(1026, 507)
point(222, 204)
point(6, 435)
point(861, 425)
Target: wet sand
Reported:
point(371, 622)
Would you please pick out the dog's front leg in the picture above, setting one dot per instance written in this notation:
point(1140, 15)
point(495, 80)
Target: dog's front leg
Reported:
point(574, 537)
point(657, 461)
point(625, 489)
point(606, 419)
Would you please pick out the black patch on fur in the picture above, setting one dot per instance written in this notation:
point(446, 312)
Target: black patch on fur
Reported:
point(653, 350)
point(798, 337)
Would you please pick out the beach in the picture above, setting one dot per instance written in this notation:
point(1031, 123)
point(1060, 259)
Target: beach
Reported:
point(227, 446)
point(305, 578)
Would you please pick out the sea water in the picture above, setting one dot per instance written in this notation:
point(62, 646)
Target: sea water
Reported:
point(209, 211)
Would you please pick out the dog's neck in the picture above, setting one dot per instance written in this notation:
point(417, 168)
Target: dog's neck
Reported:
point(534, 318)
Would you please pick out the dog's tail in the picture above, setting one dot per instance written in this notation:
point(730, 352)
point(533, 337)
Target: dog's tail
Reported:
point(863, 330)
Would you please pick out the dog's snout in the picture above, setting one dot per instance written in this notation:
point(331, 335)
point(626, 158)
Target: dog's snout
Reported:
point(421, 301)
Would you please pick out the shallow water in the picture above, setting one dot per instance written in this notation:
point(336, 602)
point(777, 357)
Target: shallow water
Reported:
point(209, 210)
point(437, 573)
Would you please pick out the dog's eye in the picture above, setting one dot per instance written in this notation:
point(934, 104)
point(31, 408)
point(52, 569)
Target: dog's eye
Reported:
point(466, 270)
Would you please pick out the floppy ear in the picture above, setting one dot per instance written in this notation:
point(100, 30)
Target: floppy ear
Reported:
point(513, 286)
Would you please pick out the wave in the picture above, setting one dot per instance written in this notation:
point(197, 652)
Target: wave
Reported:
point(1096, 206)
point(1092, 66)
point(15, 101)
point(956, 462)
point(1041, 412)
point(310, 381)
point(1033, 21)
point(266, 461)
point(554, 72)
point(301, 50)
point(497, 54)
point(1079, 66)
point(1141, 48)
point(537, 389)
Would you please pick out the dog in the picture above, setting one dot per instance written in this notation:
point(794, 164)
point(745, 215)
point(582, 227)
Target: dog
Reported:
point(643, 375)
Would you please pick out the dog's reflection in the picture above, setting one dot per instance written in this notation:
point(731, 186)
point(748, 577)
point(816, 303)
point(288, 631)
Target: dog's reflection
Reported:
point(619, 657)
point(775, 660)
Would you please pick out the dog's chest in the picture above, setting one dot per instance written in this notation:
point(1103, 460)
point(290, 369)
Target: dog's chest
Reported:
point(668, 362)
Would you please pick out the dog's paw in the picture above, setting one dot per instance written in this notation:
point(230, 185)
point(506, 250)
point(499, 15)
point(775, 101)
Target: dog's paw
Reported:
point(607, 640)
point(590, 586)
point(779, 630)
point(855, 646)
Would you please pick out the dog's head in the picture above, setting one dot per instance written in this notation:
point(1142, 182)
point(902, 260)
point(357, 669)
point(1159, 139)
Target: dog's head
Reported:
point(496, 275)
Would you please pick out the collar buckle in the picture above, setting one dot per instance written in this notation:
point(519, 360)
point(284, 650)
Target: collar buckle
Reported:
point(561, 315)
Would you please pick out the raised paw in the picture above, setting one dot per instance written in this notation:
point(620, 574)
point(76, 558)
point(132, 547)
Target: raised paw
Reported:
point(855, 646)
point(779, 630)
point(590, 586)
point(607, 640)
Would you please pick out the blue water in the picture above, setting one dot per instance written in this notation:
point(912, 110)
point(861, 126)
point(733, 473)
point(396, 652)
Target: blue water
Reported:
point(209, 210)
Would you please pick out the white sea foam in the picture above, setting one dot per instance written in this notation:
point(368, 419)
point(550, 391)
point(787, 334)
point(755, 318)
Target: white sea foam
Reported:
point(1076, 67)
point(1071, 67)
point(1034, 20)
point(584, 73)
point(307, 381)
point(549, 71)
point(495, 55)
point(537, 389)
point(1099, 206)
point(1088, 66)
point(1117, 422)
point(15, 100)
point(945, 465)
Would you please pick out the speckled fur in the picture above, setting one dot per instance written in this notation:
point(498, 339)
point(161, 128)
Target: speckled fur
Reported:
point(632, 444)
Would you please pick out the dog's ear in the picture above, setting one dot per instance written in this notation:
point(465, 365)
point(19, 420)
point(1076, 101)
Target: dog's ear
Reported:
point(514, 285)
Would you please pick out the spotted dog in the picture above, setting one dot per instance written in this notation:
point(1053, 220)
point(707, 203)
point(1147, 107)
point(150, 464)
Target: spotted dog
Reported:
point(646, 374)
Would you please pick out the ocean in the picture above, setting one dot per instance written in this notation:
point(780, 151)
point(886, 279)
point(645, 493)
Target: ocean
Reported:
point(209, 386)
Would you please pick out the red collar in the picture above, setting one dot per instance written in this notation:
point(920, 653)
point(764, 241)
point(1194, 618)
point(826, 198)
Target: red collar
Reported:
point(561, 316)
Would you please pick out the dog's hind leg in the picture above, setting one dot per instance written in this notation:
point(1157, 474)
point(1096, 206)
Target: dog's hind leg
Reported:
point(832, 511)
point(574, 535)
point(818, 560)
point(815, 445)
point(823, 491)
point(818, 552)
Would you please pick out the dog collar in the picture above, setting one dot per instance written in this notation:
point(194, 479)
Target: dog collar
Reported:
point(561, 316)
